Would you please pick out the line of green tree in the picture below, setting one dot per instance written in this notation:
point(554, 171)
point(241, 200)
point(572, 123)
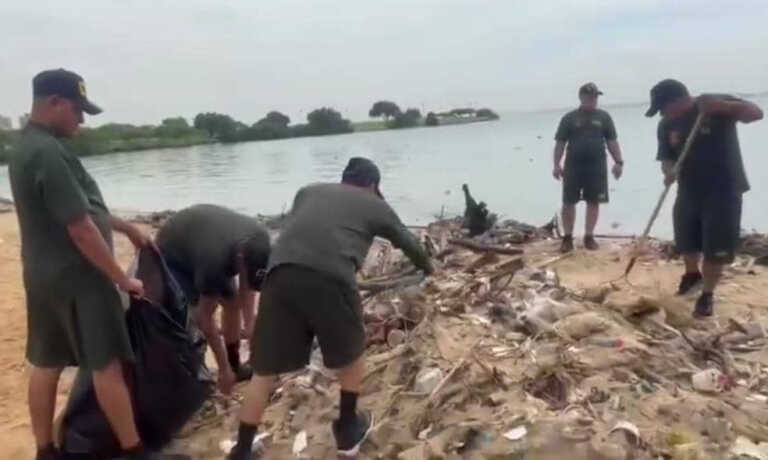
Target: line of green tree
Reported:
point(395, 118)
point(177, 132)
point(217, 127)
point(274, 125)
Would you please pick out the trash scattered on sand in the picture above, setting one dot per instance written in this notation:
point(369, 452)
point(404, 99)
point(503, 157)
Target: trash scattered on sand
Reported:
point(492, 357)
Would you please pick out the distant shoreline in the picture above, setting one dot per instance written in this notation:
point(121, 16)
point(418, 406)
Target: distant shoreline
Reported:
point(141, 144)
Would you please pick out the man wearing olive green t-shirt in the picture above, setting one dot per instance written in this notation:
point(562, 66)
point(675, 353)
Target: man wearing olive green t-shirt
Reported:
point(74, 313)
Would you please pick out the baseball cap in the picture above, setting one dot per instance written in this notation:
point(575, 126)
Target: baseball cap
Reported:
point(362, 172)
point(66, 84)
point(663, 93)
point(591, 89)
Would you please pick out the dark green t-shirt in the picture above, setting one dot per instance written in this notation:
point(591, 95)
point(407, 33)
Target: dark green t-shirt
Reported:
point(203, 240)
point(51, 189)
point(585, 133)
point(714, 162)
point(331, 228)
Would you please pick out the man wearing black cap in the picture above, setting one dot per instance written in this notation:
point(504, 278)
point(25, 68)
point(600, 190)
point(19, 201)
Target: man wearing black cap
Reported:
point(74, 312)
point(707, 212)
point(310, 291)
point(206, 247)
point(585, 131)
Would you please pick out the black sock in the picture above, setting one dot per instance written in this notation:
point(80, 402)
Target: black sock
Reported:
point(707, 294)
point(245, 436)
point(138, 449)
point(347, 407)
point(568, 237)
point(233, 355)
point(46, 449)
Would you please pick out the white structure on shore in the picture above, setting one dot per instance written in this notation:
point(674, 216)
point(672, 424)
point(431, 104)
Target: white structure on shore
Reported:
point(23, 119)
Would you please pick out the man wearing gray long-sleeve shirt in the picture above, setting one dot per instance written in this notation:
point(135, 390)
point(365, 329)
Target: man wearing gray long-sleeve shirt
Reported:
point(310, 291)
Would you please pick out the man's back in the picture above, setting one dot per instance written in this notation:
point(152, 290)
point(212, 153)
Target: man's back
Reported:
point(204, 237)
point(332, 226)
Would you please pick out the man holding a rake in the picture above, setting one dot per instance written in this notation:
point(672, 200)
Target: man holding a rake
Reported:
point(711, 179)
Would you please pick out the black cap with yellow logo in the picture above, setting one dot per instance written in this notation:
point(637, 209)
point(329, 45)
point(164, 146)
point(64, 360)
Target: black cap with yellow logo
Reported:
point(66, 84)
point(590, 89)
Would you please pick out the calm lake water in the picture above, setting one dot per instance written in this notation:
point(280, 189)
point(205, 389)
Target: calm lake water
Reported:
point(506, 163)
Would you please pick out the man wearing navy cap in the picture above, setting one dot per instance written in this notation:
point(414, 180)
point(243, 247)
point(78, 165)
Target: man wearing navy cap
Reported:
point(310, 291)
point(582, 136)
point(707, 213)
point(71, 278)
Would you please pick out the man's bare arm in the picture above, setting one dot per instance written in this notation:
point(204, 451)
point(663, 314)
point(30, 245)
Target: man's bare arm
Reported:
point(137, 237)
point(743, 111)
point(557, 171)
point(246, 299)
point(615, 150)
point(87, 237)
point(206, 307)
point(559, 152)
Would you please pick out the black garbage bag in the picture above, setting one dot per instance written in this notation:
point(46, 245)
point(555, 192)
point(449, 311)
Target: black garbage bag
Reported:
point(169, 381)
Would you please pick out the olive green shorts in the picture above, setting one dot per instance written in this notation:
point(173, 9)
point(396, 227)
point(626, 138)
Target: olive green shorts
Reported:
point(78, 323)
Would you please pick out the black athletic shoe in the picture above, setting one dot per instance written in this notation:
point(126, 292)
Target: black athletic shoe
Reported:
point(150, 455)
point(244, 373)
point(48, 453)
point(242, 454)
point(704, 306)
point(350, 438)
point(688, 282)
point(590, 243)
point(567, 244)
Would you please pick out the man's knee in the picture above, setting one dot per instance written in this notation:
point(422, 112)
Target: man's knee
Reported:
point(112, 372)
point(47, 376)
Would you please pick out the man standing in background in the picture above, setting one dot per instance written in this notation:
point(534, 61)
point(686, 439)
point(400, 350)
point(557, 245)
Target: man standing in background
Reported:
point(74, 314)
point(711, 182)
point(584, 134)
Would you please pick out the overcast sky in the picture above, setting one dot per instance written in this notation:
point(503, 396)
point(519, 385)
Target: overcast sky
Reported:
point(145, 60)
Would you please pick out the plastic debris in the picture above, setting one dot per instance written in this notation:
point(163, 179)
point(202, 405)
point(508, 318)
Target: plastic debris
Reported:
point(517, 433)
point(300, 443)
point(427, 380)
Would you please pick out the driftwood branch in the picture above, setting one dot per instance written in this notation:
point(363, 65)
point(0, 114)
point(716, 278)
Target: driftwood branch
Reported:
point(475, 247)
point(375, 287)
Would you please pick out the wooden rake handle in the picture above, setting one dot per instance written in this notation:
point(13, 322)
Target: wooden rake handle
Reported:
point(676, 171)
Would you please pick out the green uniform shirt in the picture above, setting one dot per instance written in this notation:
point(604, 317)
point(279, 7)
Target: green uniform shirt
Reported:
point(331, 228)
point(585, 132)
point(202, 241)
point(75, 316)
point(714, 163)
point(52, 189)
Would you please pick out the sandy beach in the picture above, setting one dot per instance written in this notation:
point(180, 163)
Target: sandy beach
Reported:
point(741, 296)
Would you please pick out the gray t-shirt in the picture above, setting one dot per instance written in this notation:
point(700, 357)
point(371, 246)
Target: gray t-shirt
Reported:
point(331, 228)
point(585, 132)
point(714, 164)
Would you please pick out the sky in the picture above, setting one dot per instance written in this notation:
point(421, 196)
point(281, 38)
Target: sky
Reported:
point(147, 60)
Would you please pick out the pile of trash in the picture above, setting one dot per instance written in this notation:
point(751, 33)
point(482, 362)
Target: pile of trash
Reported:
point(492, 358)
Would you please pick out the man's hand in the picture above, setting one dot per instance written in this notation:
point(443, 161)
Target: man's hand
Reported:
point(618, 170)
point(557, 173)
point(132, 286)
point(139, 238)
point(227, 379)
point(670, 177)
